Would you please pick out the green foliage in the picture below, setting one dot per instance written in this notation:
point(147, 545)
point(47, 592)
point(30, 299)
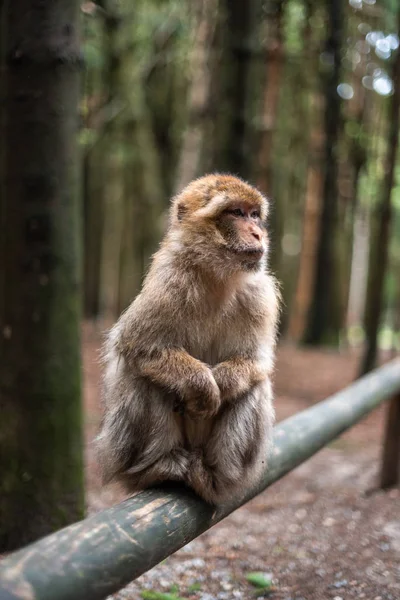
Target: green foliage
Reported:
point(173, 593)
point(293, 25)
point(93, 56)
point(154, 595)
point(390, 13)
point(195, 587)
point(259, 580)
point(141, 128)
point(87, 137)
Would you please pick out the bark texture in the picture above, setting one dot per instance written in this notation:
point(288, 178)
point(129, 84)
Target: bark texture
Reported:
point(199, 94)
point(379, 249)
point(390, 474)
point(325, 318)
point(41, 482)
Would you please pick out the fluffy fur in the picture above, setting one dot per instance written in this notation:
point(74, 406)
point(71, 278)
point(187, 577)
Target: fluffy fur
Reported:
point(187, 389)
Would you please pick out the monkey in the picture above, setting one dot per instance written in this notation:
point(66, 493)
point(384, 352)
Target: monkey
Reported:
point(187, 390)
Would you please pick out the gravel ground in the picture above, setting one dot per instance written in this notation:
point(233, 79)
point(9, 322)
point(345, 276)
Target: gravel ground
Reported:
point(324, 532)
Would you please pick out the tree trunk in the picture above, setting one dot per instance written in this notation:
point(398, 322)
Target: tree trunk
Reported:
point(325, 318)
point(134, 230)
point(272, 88)
point(375, 117)
point(97, 163)
point(41, 483)
point(164, 94)
point(313, 144)
point(380, 241)
point(355, 251)
point(93, 204)
point(199, 94)
point(309, 245)
point(237, 53)
point(359, 267)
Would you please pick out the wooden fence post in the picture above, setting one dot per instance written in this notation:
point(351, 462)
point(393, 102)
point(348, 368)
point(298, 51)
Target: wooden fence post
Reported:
point(390, 473)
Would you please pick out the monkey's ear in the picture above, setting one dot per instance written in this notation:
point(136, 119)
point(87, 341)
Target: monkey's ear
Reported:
point(181, 210)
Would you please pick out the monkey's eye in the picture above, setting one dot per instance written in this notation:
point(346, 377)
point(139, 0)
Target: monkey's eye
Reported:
point(255, 214)
point(236, 212)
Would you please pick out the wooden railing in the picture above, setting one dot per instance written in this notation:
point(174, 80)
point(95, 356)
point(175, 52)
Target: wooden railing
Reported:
point(98, 556)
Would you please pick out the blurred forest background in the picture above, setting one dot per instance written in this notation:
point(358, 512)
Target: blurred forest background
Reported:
point(300, 97)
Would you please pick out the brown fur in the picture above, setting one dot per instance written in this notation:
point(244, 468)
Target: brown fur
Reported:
point(187, 388)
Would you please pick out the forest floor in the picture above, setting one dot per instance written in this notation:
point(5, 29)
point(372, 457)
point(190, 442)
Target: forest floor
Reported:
point(321, 533)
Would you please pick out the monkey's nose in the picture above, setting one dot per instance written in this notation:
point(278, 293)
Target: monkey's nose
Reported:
point(256, 235)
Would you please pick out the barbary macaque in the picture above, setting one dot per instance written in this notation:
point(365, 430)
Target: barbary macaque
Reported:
point(187, 388)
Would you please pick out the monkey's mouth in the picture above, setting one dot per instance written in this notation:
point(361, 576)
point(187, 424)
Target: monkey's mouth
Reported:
point(251, 253)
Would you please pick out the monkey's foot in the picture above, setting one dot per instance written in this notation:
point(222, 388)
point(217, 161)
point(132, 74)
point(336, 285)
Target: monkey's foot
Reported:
point(178, 462)
point(172, 466)
point(204, 479)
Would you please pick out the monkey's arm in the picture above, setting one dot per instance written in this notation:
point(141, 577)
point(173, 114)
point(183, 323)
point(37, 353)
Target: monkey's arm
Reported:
point(147, 337)
point(175, 370)
point(237, 376)
point(194, 382)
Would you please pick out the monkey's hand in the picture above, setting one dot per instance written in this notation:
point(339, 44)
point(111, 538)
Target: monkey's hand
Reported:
point(237, 376)
point(202, 397)
point(175, 370)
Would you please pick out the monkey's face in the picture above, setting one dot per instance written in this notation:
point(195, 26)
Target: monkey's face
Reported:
point(221, 219)
point(243, 233)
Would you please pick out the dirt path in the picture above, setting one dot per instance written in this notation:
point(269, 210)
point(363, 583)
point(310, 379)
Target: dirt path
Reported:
point(321, 533)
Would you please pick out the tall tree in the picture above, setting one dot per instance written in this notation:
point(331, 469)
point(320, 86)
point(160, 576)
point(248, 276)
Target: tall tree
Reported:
point(199, 93)
point(41, 483)
point(379, 249)
point(325, 317)
point(312, 123)
point(97, 157)
point(163, 89)
point(311, 222)
point(232, 98)
point(274, 63)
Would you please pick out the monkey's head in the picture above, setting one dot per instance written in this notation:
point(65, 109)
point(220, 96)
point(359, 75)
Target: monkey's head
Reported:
point(221, 220)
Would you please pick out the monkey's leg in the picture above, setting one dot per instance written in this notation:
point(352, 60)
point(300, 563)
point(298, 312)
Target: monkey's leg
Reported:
point(236, 452)
point(138, 432)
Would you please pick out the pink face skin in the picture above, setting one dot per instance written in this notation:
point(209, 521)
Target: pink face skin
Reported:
point(245, 219)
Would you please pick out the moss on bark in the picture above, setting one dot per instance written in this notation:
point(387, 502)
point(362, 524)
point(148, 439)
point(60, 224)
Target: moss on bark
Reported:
point(41, 483)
